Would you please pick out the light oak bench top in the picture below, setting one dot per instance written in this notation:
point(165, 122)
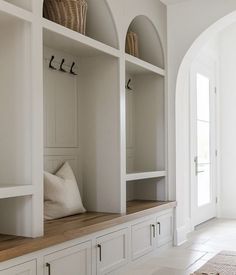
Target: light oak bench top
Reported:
point(69, 228)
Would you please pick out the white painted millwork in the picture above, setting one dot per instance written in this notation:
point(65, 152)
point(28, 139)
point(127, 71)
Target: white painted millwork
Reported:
point(143, 238)
point(165, 225)
point(13, 191)
point(145, 175)
point(80, 118)
point(172, 2)
point(49, 117)
point(135, 65)
point(103, 252)
point(151, 234)
point(28, 268)
point(112, 251)
point(71, 261)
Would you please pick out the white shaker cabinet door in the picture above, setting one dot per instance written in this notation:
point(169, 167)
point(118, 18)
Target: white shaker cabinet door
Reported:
point(112, 251)
point(164, 229)
point(28, 268)
point(76, 260)
point(143, 238)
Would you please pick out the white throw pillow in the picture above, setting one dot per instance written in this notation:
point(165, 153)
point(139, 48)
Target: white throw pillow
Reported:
point(61, 194)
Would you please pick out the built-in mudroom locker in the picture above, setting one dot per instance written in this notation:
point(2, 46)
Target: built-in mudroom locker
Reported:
point(89, 98)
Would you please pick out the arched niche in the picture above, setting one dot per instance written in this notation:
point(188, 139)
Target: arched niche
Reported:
point(149, 42)
point(100, 24)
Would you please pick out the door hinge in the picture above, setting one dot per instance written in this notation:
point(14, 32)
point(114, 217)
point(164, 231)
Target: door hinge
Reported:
point(216, 200)
point(215, 90)
point(216, 153)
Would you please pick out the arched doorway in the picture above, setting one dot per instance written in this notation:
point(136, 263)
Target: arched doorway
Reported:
point(183, 192)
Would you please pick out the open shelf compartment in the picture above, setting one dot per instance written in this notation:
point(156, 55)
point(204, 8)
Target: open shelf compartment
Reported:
point(79, 115)
point(23, 4)
point(16, 216)
point(152, 189)
point(16, 102)
point(100, 25)
point(145, 124)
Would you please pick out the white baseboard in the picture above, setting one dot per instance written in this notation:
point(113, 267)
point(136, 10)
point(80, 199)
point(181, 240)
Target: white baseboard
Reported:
point(181, 234)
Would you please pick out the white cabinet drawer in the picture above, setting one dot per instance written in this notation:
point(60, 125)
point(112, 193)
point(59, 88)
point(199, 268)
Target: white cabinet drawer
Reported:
point(28, 268)
point(112, 251)
point(76, 260)
point(143, 238)
point(164, 229)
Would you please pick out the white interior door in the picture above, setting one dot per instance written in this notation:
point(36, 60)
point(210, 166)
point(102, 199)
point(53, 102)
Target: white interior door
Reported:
point(203, 142)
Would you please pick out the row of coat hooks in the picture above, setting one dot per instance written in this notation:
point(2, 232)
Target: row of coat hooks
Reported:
point(61, 67)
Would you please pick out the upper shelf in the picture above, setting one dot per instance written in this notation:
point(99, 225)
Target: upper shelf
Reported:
point(12, 191)
point(11, 10)
point(145, 175)
point(64, 39)
point(135, 65)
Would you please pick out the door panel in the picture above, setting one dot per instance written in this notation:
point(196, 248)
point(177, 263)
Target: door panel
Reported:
point(76, 260)
point(28, 268)
point(203, 142)
point(143, 238)
point(164, 229)
point(112, 251)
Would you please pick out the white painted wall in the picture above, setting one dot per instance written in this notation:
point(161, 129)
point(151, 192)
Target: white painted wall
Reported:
point(228, 121)
point(186, 22)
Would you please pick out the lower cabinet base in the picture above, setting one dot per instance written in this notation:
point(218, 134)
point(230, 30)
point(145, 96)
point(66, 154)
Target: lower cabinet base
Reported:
point(131, 267)
point(110, 251)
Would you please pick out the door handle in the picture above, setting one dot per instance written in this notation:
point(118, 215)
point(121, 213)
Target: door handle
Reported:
point(153, 227)
point(159, 227)
point(100, 252)
point(196, 165)
point(49, 268)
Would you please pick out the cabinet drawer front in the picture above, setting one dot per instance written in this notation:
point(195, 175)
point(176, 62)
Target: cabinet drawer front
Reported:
point(164, 229)
point(143, 238)
point(76, 260)
point(112, 251)
point(28, 268)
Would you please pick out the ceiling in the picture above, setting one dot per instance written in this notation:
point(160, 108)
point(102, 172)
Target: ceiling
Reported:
point(171, 2)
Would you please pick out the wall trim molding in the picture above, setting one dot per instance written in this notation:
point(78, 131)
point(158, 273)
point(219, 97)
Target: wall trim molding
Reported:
point(181, 233)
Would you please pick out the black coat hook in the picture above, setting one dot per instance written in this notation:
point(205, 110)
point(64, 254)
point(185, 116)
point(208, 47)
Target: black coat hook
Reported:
point(128, 85)
point(50, 63)
point(61, 68)
point(71, 69)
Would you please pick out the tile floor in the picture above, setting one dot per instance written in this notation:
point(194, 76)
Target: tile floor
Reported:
point(203, 244)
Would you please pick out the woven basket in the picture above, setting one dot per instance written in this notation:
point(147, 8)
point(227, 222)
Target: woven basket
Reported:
point(132, 44)
point(68, 13)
